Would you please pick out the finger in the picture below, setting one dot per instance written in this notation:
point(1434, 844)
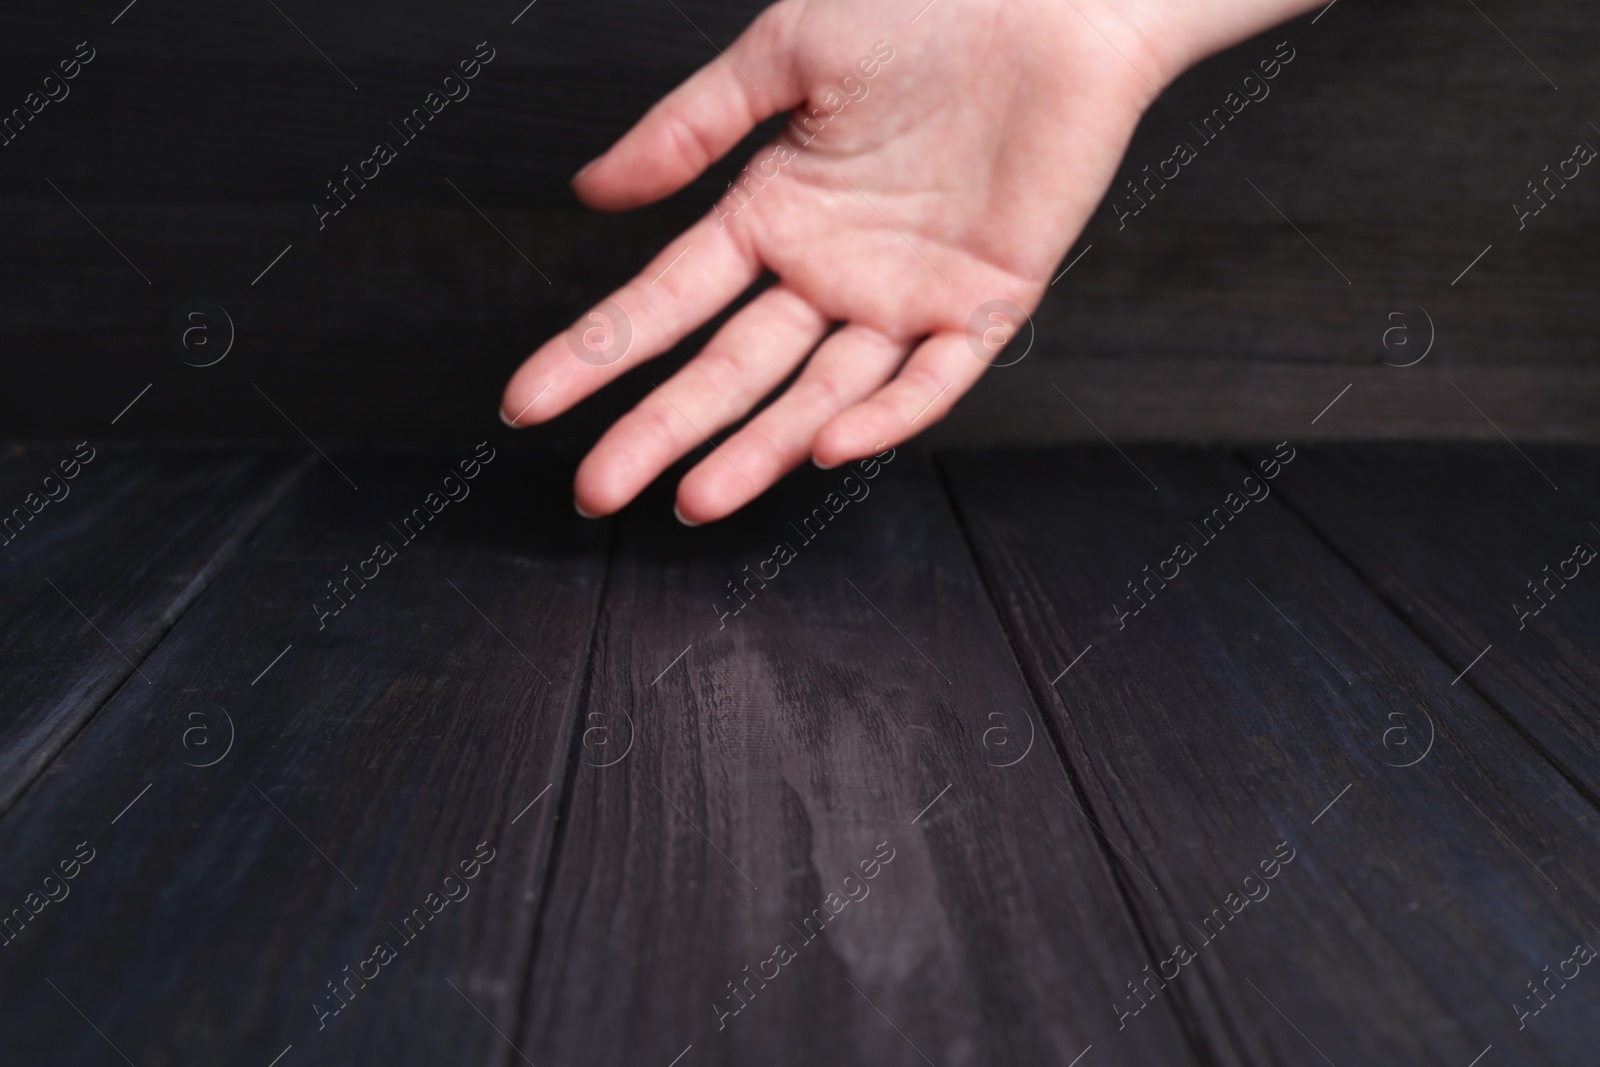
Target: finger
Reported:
point(941, 369)
point(846, 369)
point(748, 358)
point(700, 121)
point(691, 280)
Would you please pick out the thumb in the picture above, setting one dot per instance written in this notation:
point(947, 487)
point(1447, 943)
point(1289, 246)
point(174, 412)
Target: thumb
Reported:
point(701, 120)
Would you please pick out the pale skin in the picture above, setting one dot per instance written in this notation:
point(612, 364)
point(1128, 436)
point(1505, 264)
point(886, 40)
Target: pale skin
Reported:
point(960, 172)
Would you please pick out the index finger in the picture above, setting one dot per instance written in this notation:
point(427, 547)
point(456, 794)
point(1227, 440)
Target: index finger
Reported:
point(685, 285)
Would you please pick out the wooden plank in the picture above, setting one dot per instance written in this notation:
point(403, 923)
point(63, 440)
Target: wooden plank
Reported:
point(1205, 317)
point(1264, 695)
point(1171, 394)
point(862, 699)
point(92, 581)
point(1453, 535)
point(375, 748)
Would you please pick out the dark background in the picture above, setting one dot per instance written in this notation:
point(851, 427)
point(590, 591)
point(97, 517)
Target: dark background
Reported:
point(199, 136)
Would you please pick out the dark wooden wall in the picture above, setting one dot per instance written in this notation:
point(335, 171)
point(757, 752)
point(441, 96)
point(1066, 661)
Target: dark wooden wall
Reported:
point(198, 137)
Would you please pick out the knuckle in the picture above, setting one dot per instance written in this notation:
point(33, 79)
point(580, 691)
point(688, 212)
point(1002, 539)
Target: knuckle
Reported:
point(688, 141)
point(824, 394)
point(657, 425)
point(762, 451)
point(921, 385)
point(725, 373)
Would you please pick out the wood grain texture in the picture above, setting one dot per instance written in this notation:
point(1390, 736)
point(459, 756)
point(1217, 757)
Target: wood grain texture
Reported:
point(1452, 535)
point(866, 684)
point(1228, 716)
point(1176, 397)
point(377, 752)
point(1396, 141)
point(92, 582)
point(670, 792)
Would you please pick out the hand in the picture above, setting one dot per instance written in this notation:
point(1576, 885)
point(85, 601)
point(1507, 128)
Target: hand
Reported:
point(938, 161)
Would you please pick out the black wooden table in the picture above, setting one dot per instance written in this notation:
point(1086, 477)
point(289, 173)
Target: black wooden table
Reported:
point(1271, 755)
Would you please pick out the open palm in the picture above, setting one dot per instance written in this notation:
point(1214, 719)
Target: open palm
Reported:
point(935, 162)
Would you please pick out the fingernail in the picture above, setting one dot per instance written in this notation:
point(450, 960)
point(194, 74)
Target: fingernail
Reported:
point(502, 413)
point(821, 465)
point(679, 516)
point(579, 509)
point(585, 168)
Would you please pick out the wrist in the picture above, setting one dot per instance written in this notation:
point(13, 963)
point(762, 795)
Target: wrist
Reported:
point(1174, 35)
